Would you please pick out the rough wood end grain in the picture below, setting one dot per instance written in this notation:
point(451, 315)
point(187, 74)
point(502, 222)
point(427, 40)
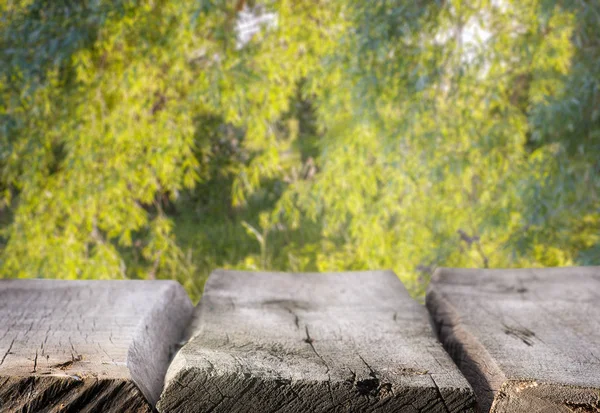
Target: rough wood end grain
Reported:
point(87, 346)
point(283, 342)
point(527, 340)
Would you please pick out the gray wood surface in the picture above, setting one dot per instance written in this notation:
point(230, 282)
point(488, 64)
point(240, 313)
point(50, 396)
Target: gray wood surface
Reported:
point(281, 342)
point(527, 340)
point(87, 346)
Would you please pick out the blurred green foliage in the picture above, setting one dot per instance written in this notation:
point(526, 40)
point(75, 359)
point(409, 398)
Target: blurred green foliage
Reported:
point(140, 139)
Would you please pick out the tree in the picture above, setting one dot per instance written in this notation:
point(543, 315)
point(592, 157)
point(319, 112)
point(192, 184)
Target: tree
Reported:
point(346, 136)
point(450, 154)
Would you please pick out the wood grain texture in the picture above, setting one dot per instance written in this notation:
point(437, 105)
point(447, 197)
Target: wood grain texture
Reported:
point(527, 340)
point(87, 346)
point(337, 342)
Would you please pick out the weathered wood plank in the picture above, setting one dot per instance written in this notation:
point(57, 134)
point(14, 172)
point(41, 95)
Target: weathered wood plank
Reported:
point(281, 342)
point(527, 340)
point(89, 346)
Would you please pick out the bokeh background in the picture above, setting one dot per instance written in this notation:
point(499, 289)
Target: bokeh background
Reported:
point(166, 138)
